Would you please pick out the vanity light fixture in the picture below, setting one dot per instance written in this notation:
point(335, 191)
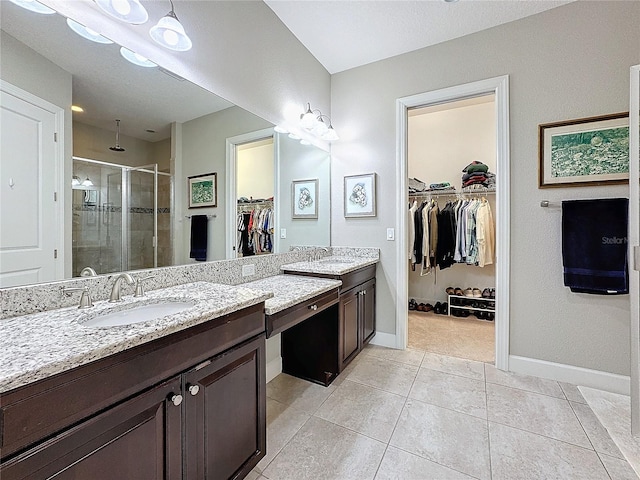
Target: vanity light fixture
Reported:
point(87, 182)
point(170, 33)
point(130, 11)
point(313, 122)
point(136, 58)
point(77, 108)
point(75, 181)
point(33, 6)
point(87, 33)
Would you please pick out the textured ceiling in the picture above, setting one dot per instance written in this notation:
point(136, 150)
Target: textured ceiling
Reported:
point(344, 34)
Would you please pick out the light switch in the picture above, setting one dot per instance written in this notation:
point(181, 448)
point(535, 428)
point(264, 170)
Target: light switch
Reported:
point(283, 233)
point(391, 234)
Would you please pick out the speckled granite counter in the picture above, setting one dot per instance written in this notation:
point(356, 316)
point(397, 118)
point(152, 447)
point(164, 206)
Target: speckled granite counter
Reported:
point(333, 265)
point(289, 290)
point(43, 344)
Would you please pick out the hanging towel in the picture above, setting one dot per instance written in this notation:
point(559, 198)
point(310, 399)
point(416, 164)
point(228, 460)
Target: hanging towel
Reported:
point(199, 237)
point(594, 245)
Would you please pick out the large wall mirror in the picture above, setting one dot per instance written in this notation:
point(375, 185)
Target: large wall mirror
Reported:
point(130, 205)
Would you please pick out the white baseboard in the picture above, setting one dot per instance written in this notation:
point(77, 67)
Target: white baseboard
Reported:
point(583, 377)
point(384, 340)
point(274, 368)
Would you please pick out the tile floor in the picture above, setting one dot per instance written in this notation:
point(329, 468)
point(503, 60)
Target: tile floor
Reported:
point(419, 415)
point(459, 337)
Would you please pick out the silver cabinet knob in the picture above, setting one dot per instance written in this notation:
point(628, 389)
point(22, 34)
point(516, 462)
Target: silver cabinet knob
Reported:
point(193, 389)
point(176, 399)
point(364, 292)
point(313, 307)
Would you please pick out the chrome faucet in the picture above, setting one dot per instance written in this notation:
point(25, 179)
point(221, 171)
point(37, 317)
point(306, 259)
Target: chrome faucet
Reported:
point(316, 255)
point(140, 287)
point(88, 272)
point(115, 291)
point(85, 298)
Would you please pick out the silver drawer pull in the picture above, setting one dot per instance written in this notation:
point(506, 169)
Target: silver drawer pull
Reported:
point(313, 307)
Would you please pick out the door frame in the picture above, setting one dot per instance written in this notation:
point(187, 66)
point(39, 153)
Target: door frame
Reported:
point(633, 242)
point(500, 87)
point(59, 177)
point(232, 144)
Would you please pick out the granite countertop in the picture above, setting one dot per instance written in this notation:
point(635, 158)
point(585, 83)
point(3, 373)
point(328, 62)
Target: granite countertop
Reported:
point(289, 290)
point(332, 265)
point(42, 344)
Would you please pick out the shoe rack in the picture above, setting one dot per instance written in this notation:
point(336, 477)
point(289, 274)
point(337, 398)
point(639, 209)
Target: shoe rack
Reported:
point(479, 306)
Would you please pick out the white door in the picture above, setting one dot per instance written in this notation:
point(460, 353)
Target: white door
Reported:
point(28, 175)
point(634, 240)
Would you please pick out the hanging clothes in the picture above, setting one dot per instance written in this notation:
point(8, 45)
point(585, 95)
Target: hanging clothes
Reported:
point(255, 229)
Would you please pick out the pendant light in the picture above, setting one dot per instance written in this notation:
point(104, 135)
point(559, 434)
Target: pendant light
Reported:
point(75, 181)
point(87, 33)
point(130, 11)
point(313, 122)
point(87, 182)
point(33, 6)
point(116, 147)
point(308, 118)
point(170, 33)
point(136, 58)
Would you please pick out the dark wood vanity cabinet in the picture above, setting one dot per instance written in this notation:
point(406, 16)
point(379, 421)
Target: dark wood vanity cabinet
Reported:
point(199, 413)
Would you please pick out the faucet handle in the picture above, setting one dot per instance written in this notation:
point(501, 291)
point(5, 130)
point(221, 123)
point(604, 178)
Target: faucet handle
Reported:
point(140, 287)
point(85, 298)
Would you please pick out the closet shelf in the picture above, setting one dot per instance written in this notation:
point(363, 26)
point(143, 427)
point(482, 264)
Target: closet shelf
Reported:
point(452, 193)
point(458, 301)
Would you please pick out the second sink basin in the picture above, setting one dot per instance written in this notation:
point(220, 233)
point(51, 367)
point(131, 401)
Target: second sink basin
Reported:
point(138, 313)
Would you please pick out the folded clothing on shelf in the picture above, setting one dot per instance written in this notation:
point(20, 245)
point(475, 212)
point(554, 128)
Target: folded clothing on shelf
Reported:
point(416, 186)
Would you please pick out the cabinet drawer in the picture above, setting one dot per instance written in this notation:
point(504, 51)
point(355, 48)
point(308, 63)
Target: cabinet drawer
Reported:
point(292, 316)
point(357, 277)
point(43, 408)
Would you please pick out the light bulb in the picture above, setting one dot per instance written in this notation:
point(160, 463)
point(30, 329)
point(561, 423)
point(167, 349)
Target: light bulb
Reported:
point(170, 37)
point(121, 6)
point(130, 11)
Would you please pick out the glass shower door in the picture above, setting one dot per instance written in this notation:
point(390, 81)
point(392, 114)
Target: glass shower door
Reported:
point(141, 217)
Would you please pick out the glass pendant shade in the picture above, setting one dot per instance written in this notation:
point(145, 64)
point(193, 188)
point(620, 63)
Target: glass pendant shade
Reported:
point(130, 11)
point(308, 119)
point(170, 33)
point(87, 182)
point(321, 128)
point(87, 32)
point(136, 58)
point(331, 135)
point(280, 129)
point(34, 6)
point(75, 181)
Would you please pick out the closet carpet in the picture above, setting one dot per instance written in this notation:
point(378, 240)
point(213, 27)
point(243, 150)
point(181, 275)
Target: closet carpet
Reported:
point(468, 338)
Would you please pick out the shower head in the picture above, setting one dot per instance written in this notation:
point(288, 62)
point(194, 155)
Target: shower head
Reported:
point(117, 147)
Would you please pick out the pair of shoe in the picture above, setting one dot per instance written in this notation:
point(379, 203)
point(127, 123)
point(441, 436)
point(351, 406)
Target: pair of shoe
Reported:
point(413, 305)
point(454, 291)
point(489, 293)
point(485, 315)
point(424, 307)
point(460, 312)
point(473, 293)
point(441, 308)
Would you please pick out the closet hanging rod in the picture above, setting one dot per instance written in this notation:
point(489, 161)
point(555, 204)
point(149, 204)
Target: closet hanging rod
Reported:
point(450, 194)
point(208, 216)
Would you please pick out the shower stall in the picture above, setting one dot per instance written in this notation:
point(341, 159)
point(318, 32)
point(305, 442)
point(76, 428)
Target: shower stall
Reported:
point(121, 217)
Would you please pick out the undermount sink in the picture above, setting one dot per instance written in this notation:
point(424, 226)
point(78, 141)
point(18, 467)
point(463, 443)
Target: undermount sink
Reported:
point(340, 261)
point(138, 313)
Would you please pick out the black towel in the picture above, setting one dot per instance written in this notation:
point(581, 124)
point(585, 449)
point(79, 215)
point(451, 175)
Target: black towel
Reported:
point(594, 245)
point(199, 237)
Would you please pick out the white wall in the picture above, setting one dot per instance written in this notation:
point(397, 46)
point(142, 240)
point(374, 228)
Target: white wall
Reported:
point(204, 151)
point(559, 69)
point(26, 69)
point(255, 174)
point(441, 141)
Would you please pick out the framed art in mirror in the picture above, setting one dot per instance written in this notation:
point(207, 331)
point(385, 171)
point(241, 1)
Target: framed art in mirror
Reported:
point(203, 190)
point(360, 195)
point(586, 151)
point(304, 198)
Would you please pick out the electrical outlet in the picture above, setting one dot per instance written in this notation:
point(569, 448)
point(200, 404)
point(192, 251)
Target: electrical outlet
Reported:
point(283, 233)
point(248, 270)
point(391, 234)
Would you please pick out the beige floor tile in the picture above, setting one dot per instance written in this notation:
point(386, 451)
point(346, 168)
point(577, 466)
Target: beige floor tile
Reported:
point(600, 439)
point(516, 454)
point(410, 356)
point(254, 475)
point(384, 374)
point(461, 394)
point(523, 382)
point(363, 409)
point(572, 393)
point(322, 450)
point(452, 439)
point(301, 394)
point(542, 414)
point(458, 337)
point(345, 373)
point(453, 365)
point(617, 468)
point(400, 465)
point(283, 422)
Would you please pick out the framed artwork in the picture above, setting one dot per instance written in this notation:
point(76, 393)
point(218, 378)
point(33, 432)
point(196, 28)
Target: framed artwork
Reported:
point(587, 151)
point(360, 195)
point(304, 198)
point(203, 190)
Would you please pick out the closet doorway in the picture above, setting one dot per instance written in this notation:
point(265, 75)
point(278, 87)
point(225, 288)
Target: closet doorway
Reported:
point(499, 87)
point(451, 153)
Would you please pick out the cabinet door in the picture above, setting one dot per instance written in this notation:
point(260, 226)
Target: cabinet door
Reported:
point(225, 413)
point(140, 438)
point(349, 326)
point(368, 311)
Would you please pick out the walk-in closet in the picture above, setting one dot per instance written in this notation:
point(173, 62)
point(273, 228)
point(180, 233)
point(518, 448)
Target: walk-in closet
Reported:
point(451, 228)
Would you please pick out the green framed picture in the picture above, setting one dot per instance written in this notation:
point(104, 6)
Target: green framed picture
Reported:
point(587, 151)
point(203, 190)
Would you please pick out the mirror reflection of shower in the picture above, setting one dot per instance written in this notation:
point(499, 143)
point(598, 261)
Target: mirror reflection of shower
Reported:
point(122, 221)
